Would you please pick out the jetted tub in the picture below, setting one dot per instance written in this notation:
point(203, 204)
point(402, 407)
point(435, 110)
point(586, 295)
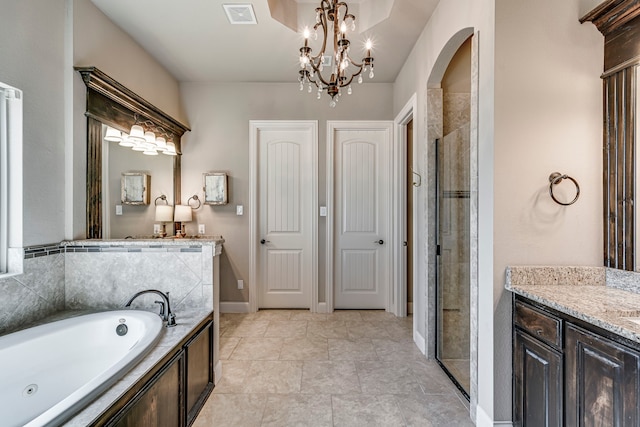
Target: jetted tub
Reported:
point(49, 372)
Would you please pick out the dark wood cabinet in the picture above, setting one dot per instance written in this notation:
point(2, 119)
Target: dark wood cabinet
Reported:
point(568, 372)
point(159, 404)
point(172, 393)
point(537, 367)
point(199, 371)
point(601, 383)
point(538, 383)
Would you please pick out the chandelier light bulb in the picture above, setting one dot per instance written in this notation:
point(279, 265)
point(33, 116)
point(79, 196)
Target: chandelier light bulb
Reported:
point(306, 33)
point(343, 28)
point(369, 44)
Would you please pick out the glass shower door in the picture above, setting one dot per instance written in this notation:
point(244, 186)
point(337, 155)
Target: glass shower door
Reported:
point(453, 257)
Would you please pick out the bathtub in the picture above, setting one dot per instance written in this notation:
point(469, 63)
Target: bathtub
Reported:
point(49, 372)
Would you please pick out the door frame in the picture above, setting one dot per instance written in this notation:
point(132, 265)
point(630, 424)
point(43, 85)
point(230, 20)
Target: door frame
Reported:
point(254, 128)
point(399, 203)
point(332, 126)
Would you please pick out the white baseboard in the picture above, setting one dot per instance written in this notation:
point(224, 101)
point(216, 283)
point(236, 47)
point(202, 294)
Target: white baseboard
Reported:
point(217, 372)
point(484, 420)
point(234, 307)
point(420, 342)
point(322, 307)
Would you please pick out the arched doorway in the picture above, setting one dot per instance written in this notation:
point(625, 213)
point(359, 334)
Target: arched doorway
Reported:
point(452, 160)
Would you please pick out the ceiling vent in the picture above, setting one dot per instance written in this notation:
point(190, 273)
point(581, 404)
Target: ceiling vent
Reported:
point(241, 14)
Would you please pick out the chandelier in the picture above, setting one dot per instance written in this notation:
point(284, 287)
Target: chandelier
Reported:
point(343, 68)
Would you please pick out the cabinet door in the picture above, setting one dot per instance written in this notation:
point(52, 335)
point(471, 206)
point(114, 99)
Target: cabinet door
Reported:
point(160, 404)
point(199, 355)
point(601, 381)
point(538, 383)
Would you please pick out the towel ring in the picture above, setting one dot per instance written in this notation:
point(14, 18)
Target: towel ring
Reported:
point(556, 178)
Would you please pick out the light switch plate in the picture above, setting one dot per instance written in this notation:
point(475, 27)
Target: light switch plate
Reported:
point(323, 211)
point(239, 210)
point(200, 228)
point(118, 209)
point(240, 284)
point(156, 228)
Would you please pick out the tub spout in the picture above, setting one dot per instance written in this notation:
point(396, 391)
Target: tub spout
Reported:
point(167, 315)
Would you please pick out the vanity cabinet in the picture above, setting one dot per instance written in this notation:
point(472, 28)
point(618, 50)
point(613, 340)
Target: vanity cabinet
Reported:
point(174, 391)
point(537, 367)
point(601, 382)
point(567, 372)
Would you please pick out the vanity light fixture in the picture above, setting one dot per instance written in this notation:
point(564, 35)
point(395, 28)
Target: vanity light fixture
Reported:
point(342, 67)
point(145, 141)
point(182, 214)
point(195, 198)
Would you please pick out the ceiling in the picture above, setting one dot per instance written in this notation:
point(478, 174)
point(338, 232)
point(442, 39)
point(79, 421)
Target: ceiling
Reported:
point(194, 40)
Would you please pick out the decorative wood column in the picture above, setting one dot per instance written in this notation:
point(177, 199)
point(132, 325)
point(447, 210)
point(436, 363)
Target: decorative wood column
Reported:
point(619, 22)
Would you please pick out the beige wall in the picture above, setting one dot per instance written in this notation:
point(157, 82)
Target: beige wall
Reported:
point(32, 59)
point(219, 115)
point(548, 118)
point(99, 42)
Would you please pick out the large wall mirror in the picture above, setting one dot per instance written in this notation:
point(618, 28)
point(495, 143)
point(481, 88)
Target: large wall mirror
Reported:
point(110, 104)
point(619, 22)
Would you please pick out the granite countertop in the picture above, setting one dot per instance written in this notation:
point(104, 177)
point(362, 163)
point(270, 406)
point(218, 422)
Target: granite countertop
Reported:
point(187, 321)
point(600, 296)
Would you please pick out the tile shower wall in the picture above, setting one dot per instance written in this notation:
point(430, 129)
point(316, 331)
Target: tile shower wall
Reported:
point(99, 277)
point(36, 293)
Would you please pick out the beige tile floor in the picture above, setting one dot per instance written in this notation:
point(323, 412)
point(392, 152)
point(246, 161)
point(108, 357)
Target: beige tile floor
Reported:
point(348, 368)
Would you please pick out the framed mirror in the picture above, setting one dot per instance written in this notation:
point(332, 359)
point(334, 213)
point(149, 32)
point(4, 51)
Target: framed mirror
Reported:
point(215, 188)
point(112, 104)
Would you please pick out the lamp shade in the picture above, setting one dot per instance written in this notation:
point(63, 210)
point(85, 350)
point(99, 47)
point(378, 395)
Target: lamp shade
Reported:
point(164, 213)
point(182, 213)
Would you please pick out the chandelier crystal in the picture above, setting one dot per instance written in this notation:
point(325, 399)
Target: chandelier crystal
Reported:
point(343, 68)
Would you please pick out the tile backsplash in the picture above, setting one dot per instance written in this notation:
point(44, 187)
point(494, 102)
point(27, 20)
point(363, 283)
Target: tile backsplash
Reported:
point(102, 276)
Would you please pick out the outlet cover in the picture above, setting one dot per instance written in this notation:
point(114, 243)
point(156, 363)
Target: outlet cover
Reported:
point(200, 228)
point(156, 228)
point(240, 284)
point(239, 210)
point(118, 209)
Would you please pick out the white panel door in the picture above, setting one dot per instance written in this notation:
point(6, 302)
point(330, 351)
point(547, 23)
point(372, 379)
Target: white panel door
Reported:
point(362, 182)
point(285, 203)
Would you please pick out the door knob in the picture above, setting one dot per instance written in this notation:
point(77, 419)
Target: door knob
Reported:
point(262, 242)
point(379, 242)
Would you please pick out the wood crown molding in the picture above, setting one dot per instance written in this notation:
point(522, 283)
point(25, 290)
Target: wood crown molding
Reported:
point(103, 84)
point(612, 14)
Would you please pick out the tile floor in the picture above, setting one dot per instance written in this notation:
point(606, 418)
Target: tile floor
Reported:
point(348, 368)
